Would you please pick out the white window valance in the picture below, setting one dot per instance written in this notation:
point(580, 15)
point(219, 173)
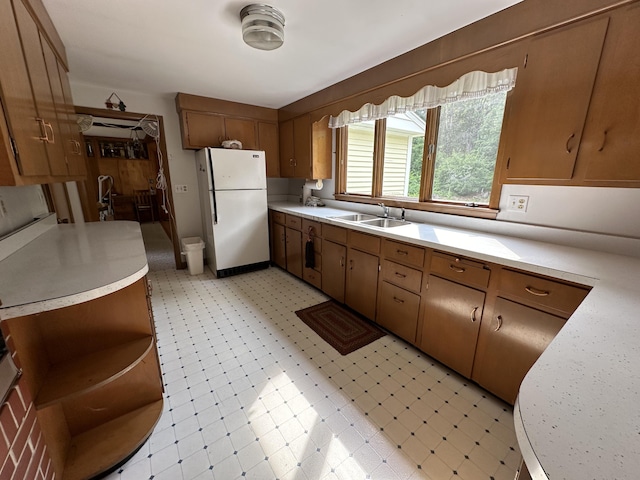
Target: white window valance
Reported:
point(471, 85)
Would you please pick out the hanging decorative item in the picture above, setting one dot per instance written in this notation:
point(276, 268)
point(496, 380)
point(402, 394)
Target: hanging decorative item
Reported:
point(111, 105)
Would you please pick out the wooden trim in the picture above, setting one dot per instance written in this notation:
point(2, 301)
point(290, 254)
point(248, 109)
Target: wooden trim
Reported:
point(341, 159)
point(504, 28)
point(379, 138)
point(185, 101)
point(429, 159)
point(450, 208)
point(134, 116)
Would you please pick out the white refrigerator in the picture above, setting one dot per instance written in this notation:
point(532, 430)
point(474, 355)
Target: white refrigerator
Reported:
point(233, 202)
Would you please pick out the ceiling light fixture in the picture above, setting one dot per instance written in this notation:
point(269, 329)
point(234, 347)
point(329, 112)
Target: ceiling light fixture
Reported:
point(262, 26)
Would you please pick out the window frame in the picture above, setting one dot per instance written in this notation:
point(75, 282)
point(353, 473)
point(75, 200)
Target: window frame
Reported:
point(424, 201)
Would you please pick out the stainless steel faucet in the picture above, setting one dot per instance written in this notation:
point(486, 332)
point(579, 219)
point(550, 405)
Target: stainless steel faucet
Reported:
point(385, 210)
point(402, 216)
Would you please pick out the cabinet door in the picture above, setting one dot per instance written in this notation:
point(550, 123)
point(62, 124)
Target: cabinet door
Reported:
point(287, 168)
point(334, 259)
point(243, 130)
point(302, 146)
point(294, 251)
point(550, 102)
point(362, 282)
point(509, 344)
point(38, 75)
point(611, 139)
point(398, 311)
point(18, 103)
point(278, 242)
point(202, 130)
point(77, 164)
point(268, 141)
point(70, 148)
point(451, 323)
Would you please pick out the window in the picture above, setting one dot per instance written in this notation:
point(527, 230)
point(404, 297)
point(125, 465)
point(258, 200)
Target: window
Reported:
point(441, 155)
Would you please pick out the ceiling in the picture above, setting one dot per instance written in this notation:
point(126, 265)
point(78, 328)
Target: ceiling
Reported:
point(195, 46)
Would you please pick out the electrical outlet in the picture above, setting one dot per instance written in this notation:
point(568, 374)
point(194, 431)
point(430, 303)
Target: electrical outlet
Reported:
point(180, 188)
point(518, 203)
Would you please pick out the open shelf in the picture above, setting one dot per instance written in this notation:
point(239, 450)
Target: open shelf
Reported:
point(101, 448)
point(83, 374)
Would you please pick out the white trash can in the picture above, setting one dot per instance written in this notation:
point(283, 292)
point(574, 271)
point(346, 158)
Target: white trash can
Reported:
point(192, 248)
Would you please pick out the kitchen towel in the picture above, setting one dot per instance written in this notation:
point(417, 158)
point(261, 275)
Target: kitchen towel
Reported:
point(309, 255)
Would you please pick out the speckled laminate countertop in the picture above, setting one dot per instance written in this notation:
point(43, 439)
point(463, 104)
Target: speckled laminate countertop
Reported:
point(577, 415)
point(70, 264)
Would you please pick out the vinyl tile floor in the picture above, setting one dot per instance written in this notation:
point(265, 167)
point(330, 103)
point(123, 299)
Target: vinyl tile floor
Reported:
point(252, 392)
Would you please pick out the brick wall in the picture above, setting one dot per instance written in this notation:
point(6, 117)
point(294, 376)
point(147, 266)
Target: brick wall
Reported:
point(23, 454)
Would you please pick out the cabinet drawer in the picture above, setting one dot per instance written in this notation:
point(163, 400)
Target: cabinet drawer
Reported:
point(278, 217)
point(316, 228)
point(335, 234)
point(402, 276)
point(542, 292)
point(460, 270)
point(398, 311)
point(293, 222)
point(402, 252)
point(364, 242)
point(312, 276)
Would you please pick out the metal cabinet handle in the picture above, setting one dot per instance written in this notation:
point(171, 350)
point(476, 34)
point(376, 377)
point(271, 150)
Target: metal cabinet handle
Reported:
point(567, 147)
point(604, 140)
point(402, 252)
point(350, 264)
point(473, 314)
point(400, 275)
point(456, 269)
point(499, 323)
point(536, 292)
point(398, 300)
point(342, 261)
point(43, 130)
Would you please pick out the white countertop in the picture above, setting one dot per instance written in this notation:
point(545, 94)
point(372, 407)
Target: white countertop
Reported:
point(70, 264)
point(578, 410)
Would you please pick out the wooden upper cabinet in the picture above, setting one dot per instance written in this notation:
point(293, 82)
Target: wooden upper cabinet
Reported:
point(40, 137)
point(610, 149)
point(23, 154)
point(200, 130)
point(76, 163)
point(243, 130)
point(550, 101)
point(305, 148)
point(41, 85)
point(268, 141)
point(287, 168)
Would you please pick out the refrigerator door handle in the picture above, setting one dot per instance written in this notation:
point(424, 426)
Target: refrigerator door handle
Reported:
point(215, 207)
point(213, 187)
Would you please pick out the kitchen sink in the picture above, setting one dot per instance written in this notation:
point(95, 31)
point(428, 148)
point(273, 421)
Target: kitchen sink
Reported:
point(385, 222)
point(356, 217)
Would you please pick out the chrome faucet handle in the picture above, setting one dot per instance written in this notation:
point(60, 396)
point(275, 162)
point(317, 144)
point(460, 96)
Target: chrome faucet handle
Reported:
point(385, 209)
point(402, 215)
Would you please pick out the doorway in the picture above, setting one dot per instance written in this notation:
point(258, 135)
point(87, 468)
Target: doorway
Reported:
point(127, 173)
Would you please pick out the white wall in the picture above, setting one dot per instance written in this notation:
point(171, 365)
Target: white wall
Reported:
point(181, 163)
point(613, 211)
point(19, 206)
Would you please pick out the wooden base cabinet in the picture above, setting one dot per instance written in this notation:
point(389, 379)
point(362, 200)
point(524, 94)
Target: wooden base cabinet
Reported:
point(453, 314)
point(509, 344)
point(93, 372)
point(278, 245)
point(362, 282)
point(398, 311)
point(293, 240)
point(334, 260)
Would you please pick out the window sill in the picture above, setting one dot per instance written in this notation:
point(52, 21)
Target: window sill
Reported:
point(448, 208)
